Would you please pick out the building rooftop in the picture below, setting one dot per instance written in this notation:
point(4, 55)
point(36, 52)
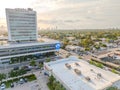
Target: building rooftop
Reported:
point(74, 47)
point(48, 40)
point(89, 77)
point(26, 44)
point(20, 9)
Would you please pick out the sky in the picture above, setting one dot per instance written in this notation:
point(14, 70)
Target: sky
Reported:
point(69, 14)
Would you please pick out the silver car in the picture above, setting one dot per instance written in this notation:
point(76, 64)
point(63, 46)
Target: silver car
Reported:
point(2, 87)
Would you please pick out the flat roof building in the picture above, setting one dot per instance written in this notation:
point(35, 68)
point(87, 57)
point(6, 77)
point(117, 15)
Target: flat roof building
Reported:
point(77, 74)
point(16, 50)
point(21, 24)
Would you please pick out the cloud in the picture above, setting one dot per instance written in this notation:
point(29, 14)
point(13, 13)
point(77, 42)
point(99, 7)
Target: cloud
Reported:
point(91, 13)
point(58, 21)
point(77, 13)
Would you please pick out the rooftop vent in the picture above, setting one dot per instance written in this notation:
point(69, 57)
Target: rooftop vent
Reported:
point(77, 64)
point(87, 78)
point(68, 66)
point(91, 70)
point(99, 75)
point(77, 71)
point(30, 9)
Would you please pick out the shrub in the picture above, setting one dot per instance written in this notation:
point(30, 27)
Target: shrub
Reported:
point(114, 71)
point(112, 88)
point(54, 85)
point(100, 65)
point(30, 77)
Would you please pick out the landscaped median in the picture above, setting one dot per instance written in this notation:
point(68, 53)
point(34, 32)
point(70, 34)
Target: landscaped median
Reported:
point(100, 65)
point(28, 77)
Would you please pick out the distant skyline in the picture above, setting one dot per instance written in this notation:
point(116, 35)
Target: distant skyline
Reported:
point(69, 14)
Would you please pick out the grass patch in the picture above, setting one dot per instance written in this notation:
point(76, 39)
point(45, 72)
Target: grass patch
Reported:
point(31, 77)
point(100, 65)
point(112, 88)
point(49, 86)
point(114, 71)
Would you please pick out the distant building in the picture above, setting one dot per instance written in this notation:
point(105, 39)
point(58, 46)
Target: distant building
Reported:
point(22, 24)
point(74, 48)
point(71, 38)
point(77, 74)
point(63, 53)
point(74, 42)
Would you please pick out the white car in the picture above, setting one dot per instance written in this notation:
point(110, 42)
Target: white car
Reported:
point(2, 87)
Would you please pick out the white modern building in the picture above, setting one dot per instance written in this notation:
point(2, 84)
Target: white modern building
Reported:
point(77, 74)
point(17, 50)
point(22, 29)
point(22, 24)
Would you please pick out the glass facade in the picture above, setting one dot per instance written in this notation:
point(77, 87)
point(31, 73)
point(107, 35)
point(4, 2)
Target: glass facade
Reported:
point(26, 49)
point(22, 24)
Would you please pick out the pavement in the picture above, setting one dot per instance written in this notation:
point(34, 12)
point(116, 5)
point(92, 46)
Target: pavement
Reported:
point(26, 86)
point(42, 80)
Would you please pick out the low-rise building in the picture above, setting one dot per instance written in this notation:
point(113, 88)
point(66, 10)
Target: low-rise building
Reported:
point(16, 50)
point(77, 74)
point(74, 48)
point(63, 53)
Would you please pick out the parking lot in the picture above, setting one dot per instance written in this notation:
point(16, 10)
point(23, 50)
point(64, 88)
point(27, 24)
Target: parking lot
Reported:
point(39, 84)
point(26, 86)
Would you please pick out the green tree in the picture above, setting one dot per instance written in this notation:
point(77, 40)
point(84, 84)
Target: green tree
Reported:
point(33, 63)
point(12, 73)
point(15, 73)
point(2, 76)
point(112, 88)
point(21, 71)
point(48, 60)
point(58, 86)
point(51, 79)
point(40, 65)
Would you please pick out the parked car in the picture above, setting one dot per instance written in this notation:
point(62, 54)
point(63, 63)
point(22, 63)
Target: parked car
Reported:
point(37, 67)
point(16, 68)
point(21, 81)
point(2, 87)
point(25, 80)
point(11, 85)
point(26, 68)
point(46, 74)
